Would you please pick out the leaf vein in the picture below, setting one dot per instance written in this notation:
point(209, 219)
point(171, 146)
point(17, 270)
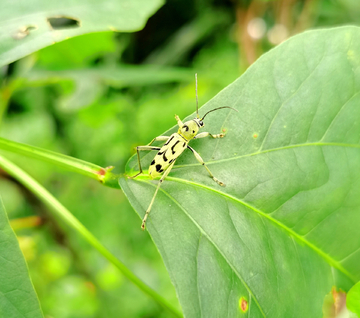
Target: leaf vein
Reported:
point(213, 243)
point(284, 102)
point(315, 144)
point(327, 257)
point(337, 114)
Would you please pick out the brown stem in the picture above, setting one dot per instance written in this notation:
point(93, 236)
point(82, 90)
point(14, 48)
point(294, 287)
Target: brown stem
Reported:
point(284, 13)
point(306, 16)
point(248, 47)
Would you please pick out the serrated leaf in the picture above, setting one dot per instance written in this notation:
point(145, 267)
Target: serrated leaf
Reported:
point(27, 26)
point(285, 229)
point(17, 296)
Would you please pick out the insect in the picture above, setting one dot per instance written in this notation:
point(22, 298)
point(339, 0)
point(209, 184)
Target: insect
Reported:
point(174, 147)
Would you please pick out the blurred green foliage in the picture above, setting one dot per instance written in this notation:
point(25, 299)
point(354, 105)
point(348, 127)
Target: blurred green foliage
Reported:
point(82, 97)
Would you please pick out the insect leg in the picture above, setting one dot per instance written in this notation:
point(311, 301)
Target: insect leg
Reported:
point(198, 158)
point(156, 191)
point(180, 123)
point(138, 148)
point(159, 138)
point(205, 134)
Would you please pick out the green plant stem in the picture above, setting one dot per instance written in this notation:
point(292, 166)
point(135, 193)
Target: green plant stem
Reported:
point(60, 211)
point(103, 175)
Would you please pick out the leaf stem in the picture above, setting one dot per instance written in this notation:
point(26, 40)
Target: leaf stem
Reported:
point(103, 175)
point(60, 211)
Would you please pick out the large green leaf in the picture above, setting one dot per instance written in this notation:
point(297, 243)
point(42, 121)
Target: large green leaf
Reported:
point(17, 295)
point(285, 229)
point(27, 25)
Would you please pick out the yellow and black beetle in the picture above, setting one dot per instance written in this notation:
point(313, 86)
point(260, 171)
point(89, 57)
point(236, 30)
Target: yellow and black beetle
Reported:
point(173, 148)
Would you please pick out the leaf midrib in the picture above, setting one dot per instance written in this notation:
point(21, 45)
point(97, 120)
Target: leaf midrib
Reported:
point(327, 257)
point(320, 144)
point(209, 238)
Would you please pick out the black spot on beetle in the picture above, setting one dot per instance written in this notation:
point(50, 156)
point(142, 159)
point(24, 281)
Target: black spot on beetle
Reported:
point(160, 153)
point(186, 127)
point(184, 145)
point(158, 167)
point(161, 170)
point(193, 131)
point(172, 148)
point(171, 161)
point(152, 162)
point(169, 140)
point(164, 157)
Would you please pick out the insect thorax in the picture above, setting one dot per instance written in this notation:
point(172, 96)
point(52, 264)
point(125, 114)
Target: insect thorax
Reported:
point(189, 130)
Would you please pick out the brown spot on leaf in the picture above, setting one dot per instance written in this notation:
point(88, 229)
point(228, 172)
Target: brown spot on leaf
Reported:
point(23, 32)
point(243, 304)
point(334, 303)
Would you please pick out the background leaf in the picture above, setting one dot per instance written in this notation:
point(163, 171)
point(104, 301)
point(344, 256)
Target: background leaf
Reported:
point(89, 83)
point(17, 295)
point(25, 26)
point(285, 228)
point(353, 299)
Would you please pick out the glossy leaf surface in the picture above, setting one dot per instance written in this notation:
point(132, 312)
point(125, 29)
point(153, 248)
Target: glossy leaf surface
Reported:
point(285, 229)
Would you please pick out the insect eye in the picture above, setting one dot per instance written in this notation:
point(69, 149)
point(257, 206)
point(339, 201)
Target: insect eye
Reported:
point(201, 123)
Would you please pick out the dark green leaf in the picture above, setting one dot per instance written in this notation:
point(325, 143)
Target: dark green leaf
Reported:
point(17, 296)
point(29, 25)
point(285, 229)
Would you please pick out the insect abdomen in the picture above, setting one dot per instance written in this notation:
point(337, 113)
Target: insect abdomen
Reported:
point(168, 153)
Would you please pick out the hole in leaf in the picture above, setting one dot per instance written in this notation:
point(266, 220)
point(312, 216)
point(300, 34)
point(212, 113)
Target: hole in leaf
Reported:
point(60, 23)
point(23, 32)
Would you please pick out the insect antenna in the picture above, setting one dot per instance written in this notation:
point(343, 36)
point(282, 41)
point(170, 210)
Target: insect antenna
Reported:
point(196, 94)
point(217, 109)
